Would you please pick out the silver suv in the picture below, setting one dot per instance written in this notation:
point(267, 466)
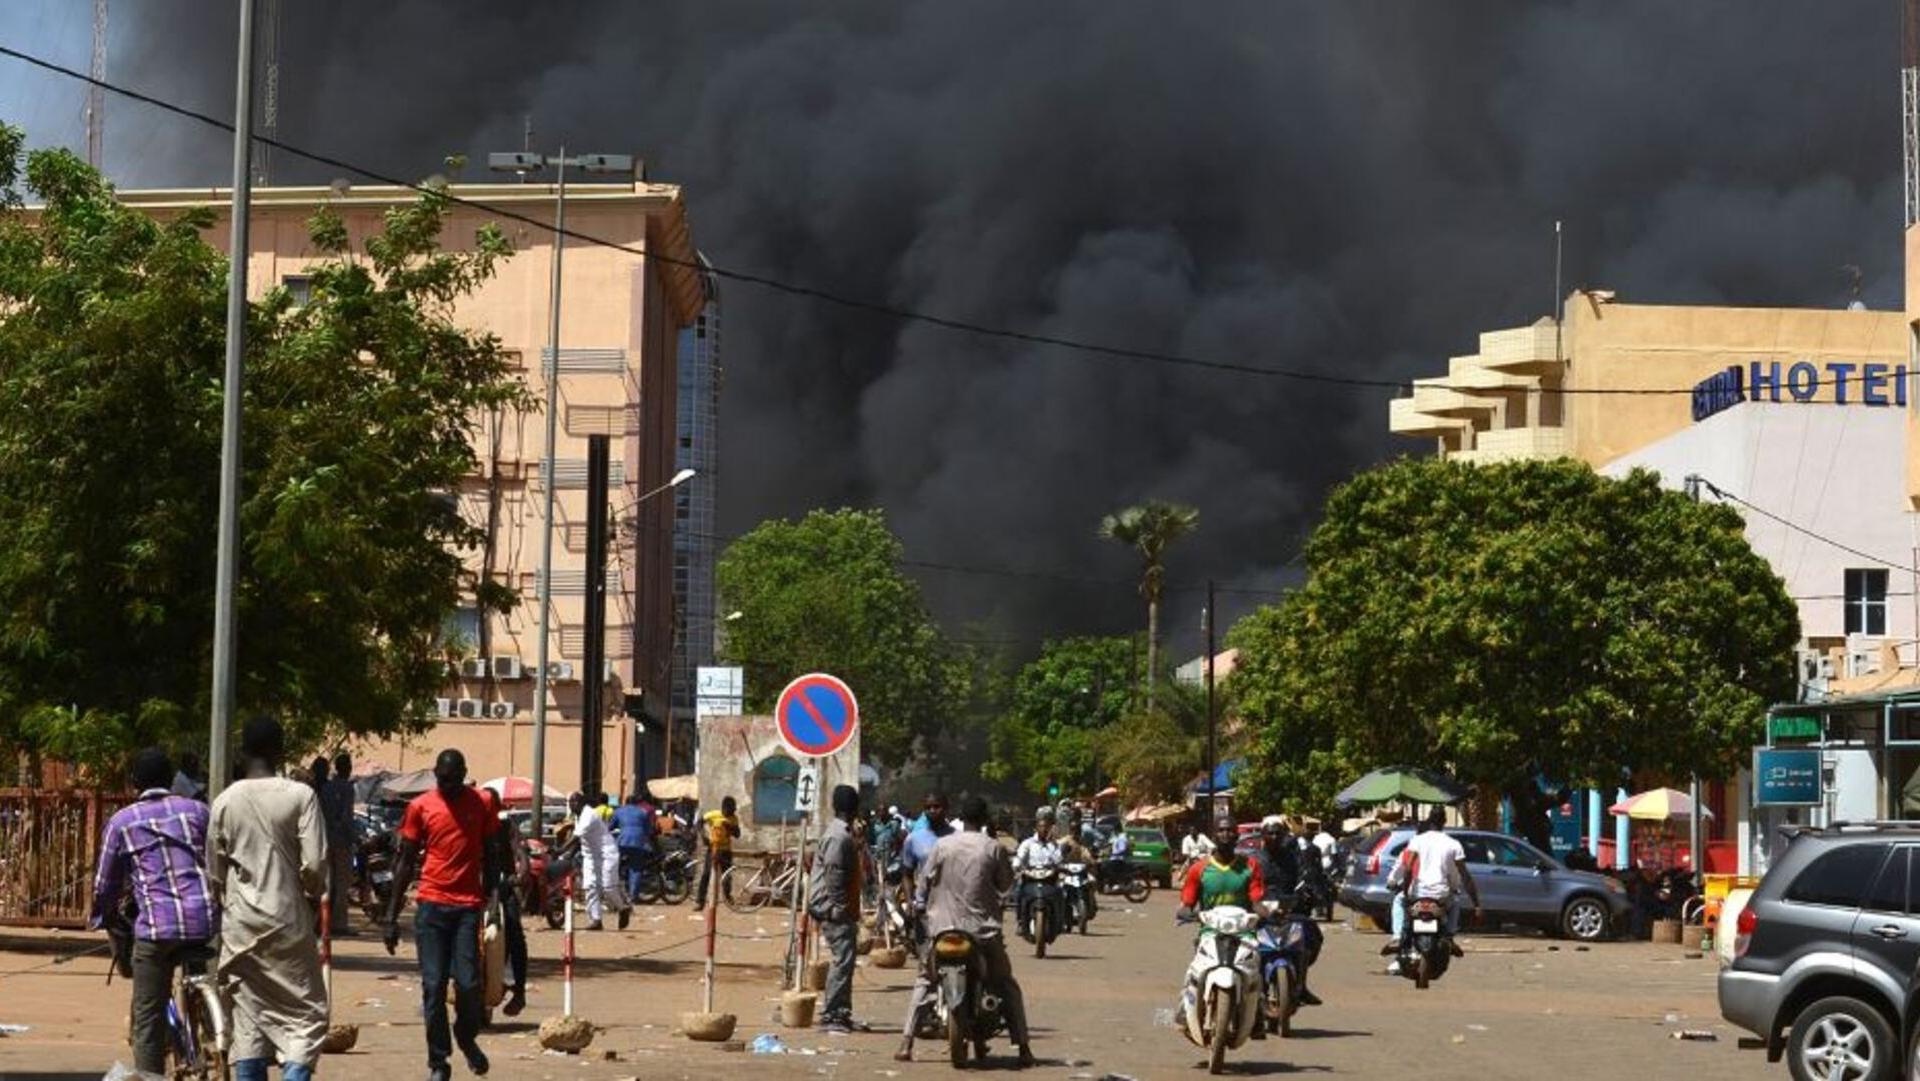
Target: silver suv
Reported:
point(1824, 950)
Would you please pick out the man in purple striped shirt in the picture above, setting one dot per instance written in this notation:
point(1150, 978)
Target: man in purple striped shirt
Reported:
point(156, 850)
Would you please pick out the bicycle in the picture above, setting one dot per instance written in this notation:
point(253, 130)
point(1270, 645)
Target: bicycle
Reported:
point(750, 888)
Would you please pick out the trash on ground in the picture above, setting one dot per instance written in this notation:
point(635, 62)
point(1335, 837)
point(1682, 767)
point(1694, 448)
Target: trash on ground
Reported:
point(1476, 1028)
point(15, 1030)
point(1699, 1034)
point(1458, 1038)
point(768, 1043)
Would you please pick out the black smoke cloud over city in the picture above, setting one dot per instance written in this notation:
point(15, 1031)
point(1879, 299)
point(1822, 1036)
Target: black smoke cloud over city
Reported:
point(1353, 188)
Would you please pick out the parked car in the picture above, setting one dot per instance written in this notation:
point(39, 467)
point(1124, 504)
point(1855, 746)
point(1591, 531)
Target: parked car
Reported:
point(1151, 853)
point(1519, 884)
point(1825, 952)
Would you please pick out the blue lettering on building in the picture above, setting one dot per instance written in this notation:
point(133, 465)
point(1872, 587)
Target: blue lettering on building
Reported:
point(1873, 384)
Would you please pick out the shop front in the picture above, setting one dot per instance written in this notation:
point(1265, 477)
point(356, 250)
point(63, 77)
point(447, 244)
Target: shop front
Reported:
point(1846, 759)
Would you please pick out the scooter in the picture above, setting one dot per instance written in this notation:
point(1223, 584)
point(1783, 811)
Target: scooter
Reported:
point(1044, 905)
point(1220, 1004)
point(1289, 943)
point(1075, 881)
point(965, 1009)
point(1427, 947)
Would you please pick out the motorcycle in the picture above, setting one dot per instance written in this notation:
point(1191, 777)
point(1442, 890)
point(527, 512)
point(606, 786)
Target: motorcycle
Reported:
point(1427, 947)
point(1289, 943)
point(965, 1009)
point(1043, 907)
point(1220, 1003)
point(545, 890)
point(373, 873)
point(1123, 877)
point(1080, 905)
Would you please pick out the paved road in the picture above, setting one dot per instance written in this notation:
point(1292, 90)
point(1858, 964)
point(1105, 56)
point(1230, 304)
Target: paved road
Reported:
point(1514, 1007)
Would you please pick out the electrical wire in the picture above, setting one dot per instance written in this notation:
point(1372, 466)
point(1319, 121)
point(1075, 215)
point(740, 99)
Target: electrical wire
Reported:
point(893, 311)
point(1798, 528)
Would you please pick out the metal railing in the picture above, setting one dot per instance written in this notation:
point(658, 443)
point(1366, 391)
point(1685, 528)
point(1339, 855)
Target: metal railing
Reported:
point(49, 848)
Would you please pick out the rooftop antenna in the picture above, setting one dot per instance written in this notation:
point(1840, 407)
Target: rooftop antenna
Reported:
point(261, 152)
point(97, 95)
point(1910, 106)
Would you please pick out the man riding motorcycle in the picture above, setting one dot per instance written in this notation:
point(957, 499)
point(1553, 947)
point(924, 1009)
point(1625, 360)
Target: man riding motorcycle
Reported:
point(1036, 853)
point(960, 888)
point(1279, 860)
point(1433, 865)
point(1223, 878)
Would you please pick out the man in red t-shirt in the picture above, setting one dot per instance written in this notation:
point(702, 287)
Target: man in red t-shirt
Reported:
point(453, 837)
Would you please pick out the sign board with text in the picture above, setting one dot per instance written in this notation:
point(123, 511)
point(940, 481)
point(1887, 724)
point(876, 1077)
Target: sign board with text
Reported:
point(1786, 777)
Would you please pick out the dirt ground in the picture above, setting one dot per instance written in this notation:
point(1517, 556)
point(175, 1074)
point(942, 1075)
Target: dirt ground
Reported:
point(1515, 1007)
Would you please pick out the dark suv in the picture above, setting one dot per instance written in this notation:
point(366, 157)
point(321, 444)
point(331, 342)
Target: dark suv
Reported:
point(1824, 950)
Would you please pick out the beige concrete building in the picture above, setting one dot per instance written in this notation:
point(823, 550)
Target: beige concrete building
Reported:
point(621, 313)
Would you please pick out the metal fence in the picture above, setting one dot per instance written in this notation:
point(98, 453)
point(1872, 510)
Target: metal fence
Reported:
point(49, 846)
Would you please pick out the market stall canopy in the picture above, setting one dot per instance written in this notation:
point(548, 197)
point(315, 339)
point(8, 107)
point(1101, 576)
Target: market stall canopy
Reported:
point(1155, 813)
point(518, 791)
point(402, 786)
point(1400, 784)
point(685, 786)
point(1657, 805)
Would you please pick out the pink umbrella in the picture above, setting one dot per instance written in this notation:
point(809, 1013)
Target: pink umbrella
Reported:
point(518, 791)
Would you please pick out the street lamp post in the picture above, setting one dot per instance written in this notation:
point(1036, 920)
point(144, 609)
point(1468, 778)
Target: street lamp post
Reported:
point(227, 546)
point(523, 163)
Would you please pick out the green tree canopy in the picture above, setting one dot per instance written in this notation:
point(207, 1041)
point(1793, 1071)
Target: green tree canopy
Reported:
point(1059, 705)
point(1509, 623)
point(826, 594)
point(360, 408)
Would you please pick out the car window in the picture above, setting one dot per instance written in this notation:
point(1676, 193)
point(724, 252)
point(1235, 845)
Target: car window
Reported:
point(1507, 853)
point(1476, 848)
point(1889, 892)
point(1839, 877)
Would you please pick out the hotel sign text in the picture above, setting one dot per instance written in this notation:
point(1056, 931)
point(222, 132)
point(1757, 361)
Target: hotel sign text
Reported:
point(1843, 383)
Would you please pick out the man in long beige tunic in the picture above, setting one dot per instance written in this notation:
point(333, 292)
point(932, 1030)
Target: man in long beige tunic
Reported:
point(267, 858)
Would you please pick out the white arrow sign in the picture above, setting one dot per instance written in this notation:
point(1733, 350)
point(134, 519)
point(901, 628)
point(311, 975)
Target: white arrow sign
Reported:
point(806, 789)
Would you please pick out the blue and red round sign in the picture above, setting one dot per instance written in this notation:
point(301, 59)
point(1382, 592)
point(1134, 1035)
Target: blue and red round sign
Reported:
point(817, 715)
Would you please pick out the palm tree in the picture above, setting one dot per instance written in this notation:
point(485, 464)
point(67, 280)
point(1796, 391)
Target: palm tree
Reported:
point(1150, 528)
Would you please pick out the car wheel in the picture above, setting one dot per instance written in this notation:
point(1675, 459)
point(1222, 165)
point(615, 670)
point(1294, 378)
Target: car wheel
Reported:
point(1584, 919)
point(1840, 1039)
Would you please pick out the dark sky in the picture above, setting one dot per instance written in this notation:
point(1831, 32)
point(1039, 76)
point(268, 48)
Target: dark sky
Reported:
point(1354, 187)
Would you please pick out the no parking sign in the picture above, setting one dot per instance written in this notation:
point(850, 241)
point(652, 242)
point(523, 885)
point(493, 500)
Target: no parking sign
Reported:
point(817, 715)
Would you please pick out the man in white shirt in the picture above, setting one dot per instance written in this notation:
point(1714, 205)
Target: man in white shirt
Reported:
point(1196, 845)
point(1037, 852)
point(1438, 868)
point(599, 863)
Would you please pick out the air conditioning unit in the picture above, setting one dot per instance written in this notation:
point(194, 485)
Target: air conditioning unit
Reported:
point(1863, 655)
point(500, 711)
point(473, 668)
point(443, 707)
point(1816, 667)
point(560, 671)
point(507, 667)
point(472, 707)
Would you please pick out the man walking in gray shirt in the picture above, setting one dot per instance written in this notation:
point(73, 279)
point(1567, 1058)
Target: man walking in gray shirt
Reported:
point(960, 889)
point(834, 902)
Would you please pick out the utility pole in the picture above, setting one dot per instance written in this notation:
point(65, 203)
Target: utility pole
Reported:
point(592, 681)
point(1694, 484)
point(1212, 723)
point(219, 769)
point(524, 162)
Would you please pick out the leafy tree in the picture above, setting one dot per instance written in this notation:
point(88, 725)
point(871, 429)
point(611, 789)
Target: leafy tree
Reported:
point(1152, 753)
point(1513, 622)
point(825, 594)
point(1151, 528)
point(360, 407)
point(1059, 705)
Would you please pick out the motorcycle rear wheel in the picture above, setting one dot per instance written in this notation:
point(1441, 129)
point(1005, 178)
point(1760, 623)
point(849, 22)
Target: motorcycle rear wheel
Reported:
point(956, 1041)
point(1421, 972)
point(1139, 888)
point(1083, 917)
point(556, 910)
point(675, 885)
point(1222, 1011)
point(1039, 930)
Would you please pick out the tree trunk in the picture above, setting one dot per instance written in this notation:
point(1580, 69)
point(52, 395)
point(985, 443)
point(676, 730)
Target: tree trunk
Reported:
point(1153, 646)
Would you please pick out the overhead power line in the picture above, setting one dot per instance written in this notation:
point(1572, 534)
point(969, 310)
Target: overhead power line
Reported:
point(880, 308)
point(1805, 531)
